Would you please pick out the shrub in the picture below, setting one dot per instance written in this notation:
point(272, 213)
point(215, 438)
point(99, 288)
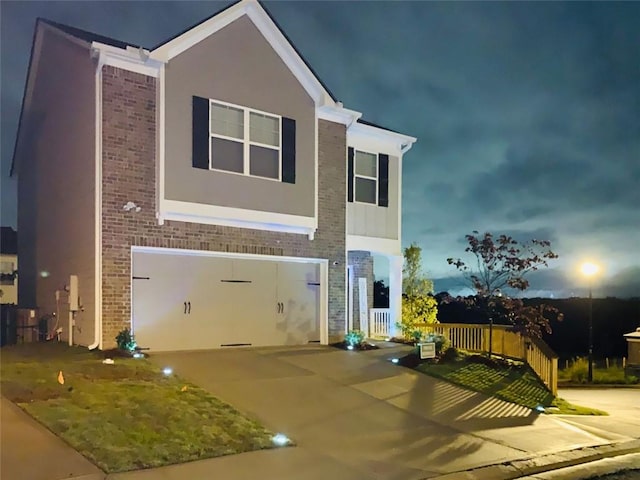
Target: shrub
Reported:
point(442, 342)
point(451, 354)
point(125, 340)
point(354, 338)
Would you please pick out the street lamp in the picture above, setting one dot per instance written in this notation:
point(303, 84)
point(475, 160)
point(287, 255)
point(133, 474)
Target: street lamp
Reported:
point(589, 269)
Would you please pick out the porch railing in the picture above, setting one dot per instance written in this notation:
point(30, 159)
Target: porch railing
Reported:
point(475, 338)
point(380, 323)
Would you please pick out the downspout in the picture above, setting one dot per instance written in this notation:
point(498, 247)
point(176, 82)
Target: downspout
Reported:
point(97, 342)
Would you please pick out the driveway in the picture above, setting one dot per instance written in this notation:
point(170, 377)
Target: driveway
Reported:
point(356, 415)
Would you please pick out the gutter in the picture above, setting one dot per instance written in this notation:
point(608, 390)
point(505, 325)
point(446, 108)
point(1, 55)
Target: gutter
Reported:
point(97, 342)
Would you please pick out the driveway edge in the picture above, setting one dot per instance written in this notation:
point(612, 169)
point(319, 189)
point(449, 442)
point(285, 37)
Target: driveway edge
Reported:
point(544, 463)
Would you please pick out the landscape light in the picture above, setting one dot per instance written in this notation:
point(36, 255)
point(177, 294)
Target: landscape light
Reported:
point(167, 370)
point(280, 440)
point(349, 347)
point(394, 360)
point(540, 409)
point(138, 355)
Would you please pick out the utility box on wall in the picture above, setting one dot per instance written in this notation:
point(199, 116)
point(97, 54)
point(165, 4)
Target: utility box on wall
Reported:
point(73, 293)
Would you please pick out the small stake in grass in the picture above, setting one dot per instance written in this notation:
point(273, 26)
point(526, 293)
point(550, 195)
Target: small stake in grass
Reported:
point(184, 389)
point(60, 378)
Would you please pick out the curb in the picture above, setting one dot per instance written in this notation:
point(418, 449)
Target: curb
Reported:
point(539, 464)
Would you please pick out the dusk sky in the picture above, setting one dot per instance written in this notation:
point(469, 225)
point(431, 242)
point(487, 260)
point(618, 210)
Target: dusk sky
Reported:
point(527, 114)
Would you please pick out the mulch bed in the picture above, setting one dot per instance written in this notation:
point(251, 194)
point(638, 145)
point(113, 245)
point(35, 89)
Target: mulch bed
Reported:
point(362, 346)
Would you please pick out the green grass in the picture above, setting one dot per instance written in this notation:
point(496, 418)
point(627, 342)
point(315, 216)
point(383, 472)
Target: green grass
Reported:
point(577, 372)
point(515, 384)
point(562, 407)
point(507, 380)
point(124, 416)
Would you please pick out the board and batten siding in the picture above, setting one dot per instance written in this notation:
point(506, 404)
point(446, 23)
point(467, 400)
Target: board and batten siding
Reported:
point(375, 221)
point(237, 65)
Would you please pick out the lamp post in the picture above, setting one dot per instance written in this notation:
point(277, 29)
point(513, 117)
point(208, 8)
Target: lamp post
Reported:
point(589, 270)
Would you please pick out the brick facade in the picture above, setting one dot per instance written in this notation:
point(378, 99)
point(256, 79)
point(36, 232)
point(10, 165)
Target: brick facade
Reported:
point(129, 174)
point(362, 264)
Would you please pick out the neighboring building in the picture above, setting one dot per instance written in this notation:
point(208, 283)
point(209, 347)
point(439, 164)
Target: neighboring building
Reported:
point(8, 265)
point(633, 345)
point(207, 192)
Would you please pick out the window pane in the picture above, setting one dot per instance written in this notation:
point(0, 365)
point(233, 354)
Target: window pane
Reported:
point(264, 129)
point(366, 164)
point(365, 190)
point(264, 162)
point(226, 155)
point(227, 121)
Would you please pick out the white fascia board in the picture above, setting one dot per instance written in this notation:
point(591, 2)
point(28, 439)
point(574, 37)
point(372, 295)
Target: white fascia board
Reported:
point(132, 59)
point(384, 246)
point(269, 30)
point(236, 217)
point(359, 131)
point(335, 113)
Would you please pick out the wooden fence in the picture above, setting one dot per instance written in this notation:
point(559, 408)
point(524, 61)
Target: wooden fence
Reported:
point(475, 338)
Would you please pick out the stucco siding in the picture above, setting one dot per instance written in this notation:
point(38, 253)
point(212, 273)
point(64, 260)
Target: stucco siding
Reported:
point(236, 65)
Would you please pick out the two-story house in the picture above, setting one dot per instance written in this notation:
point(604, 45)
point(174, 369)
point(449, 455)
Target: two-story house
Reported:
point(207, 192)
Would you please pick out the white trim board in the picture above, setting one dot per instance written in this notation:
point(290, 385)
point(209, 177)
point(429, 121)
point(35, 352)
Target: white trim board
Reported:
point(236, 217)
point(384, 246)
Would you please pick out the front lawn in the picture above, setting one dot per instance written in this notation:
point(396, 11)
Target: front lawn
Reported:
point(507, 380)
point(511, 382)
point(124, 416)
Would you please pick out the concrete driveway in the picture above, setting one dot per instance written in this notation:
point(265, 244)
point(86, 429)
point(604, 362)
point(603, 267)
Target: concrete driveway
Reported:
point(356, 415)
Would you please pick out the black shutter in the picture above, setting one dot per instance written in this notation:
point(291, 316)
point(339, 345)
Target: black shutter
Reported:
point(288, 150)
point(200, 133)
point(383, 180)
point(350, 174)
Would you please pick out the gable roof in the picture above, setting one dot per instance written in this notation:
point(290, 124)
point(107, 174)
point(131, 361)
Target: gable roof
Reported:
point(171, 47)
point(88, 37)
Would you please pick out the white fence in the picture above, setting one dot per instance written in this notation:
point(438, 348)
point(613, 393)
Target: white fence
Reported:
point(380, 323)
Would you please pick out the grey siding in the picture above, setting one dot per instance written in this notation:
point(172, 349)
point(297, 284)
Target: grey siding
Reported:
point(237, 65)
point(372, 220)
point(56, 178)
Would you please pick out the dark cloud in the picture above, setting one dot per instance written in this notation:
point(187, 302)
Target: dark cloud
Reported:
point(526, 113)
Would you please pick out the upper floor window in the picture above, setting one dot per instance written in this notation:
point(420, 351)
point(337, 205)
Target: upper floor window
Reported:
point(368, 180)
point(242, 140)
point(366, 177)
point(7, 275)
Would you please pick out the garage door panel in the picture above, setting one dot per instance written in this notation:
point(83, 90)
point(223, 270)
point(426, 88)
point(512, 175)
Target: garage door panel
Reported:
point(232, 301)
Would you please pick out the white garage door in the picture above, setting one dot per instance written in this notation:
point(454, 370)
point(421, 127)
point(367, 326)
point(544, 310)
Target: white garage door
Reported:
point(187, 302)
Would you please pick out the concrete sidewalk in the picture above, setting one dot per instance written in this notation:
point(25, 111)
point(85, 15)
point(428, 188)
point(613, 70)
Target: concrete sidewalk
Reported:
point(29, 451)
point(354, 415)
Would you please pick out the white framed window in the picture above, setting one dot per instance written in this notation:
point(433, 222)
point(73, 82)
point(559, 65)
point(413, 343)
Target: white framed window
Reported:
point(365, 177)
point(245, 141)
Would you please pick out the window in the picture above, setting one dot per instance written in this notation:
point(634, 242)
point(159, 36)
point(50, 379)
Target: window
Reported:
point(6, 273)
point(244, 141)
point(368, 177)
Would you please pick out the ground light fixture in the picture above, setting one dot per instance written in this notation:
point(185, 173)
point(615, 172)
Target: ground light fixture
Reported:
point(280, 440)
point(540, 408)
point(349, 347)
point(167, 371)
point(395, 360)
point(138, 355)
